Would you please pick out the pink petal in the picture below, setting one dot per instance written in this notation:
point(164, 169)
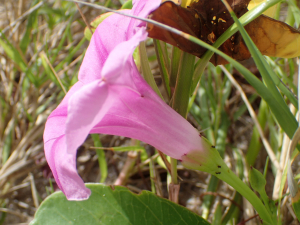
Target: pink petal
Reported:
point(102, 61)
point(117, 29)
point(62, 164)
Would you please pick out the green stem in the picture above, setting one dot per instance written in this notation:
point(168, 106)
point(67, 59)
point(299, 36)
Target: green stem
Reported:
point(181, 95)
point(230, 178)
point(152, 176)
point(174, 171)
point(209, 160)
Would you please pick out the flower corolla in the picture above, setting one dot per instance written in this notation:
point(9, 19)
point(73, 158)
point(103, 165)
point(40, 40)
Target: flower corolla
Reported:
point(111, 97)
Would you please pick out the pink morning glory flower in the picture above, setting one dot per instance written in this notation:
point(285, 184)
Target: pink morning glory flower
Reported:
point(111, 97)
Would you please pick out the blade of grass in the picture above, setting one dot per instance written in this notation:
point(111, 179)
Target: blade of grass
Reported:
point(277, 67)
point(47, 65)
point(165, 55)
point(62, 40)
point(217, 215)
point(146, 71)
point(183, 83)
point(175, 59)
point(31, 23)
point(164, 71)
point(16, 57)
point(204, 112)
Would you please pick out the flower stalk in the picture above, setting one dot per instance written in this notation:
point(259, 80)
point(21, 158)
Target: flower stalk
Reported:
point(213, 163)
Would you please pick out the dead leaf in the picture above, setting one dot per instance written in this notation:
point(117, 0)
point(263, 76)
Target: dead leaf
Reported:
point(208, 19)
point(274, 38)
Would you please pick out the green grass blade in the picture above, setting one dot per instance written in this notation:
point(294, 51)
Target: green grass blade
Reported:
point(164, 70)
point(16, 57)
point(175, 59)
point(147, 74)
point(31, 23)
point(183, 83)
point(205, 112)
point(62, 40)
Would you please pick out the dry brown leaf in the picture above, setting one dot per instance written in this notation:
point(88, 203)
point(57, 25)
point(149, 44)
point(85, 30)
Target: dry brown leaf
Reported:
point(208, 19)
point(274, 38)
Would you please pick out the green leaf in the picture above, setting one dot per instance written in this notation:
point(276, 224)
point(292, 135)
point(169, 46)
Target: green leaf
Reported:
point(257, 180)
point(113, 206)
point(258, 183)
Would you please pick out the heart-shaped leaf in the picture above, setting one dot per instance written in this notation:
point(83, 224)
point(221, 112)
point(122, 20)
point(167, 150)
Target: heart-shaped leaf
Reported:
point(116, 205)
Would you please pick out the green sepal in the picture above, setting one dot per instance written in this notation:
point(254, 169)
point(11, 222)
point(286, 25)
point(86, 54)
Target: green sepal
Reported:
point(94, 24)
point(127, 5)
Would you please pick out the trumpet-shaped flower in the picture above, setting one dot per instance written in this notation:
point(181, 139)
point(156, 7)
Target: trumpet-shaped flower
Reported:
point(111, 97)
